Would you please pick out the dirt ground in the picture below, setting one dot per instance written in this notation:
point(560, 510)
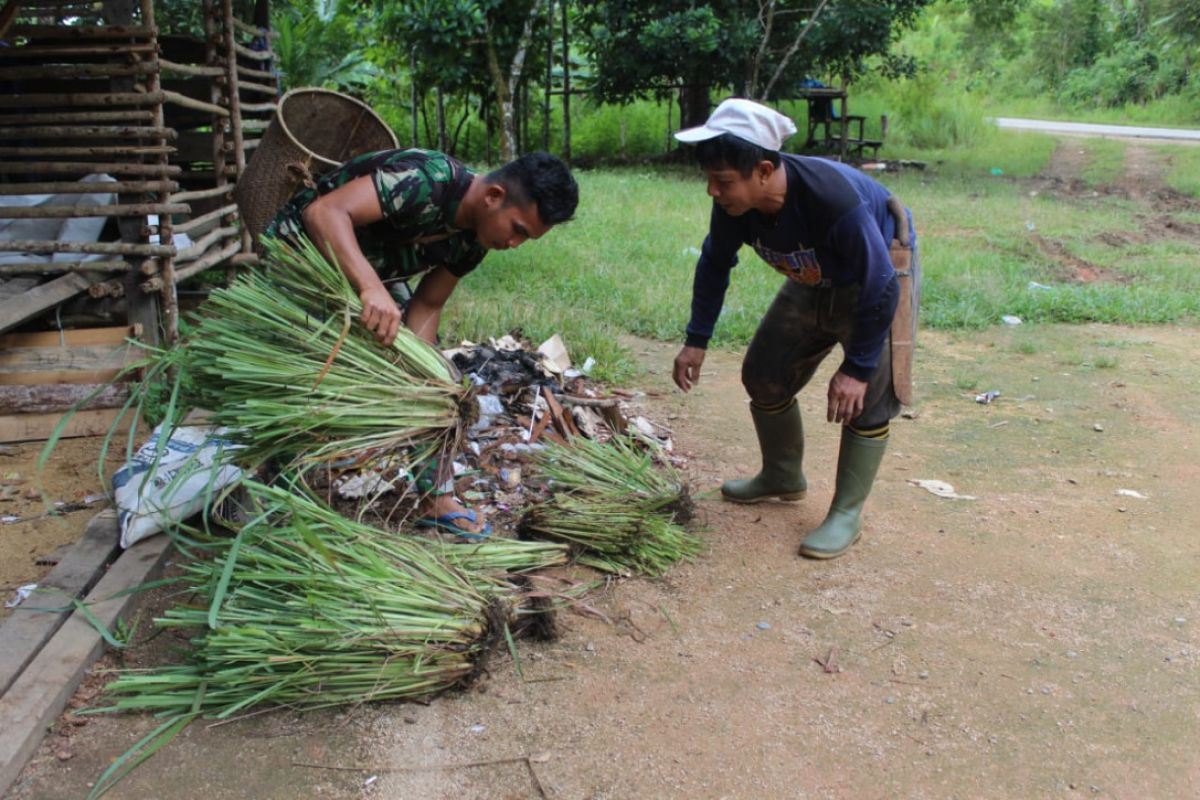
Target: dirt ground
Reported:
point(1041, 639)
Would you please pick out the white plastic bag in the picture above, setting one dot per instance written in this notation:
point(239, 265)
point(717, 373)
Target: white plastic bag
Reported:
point(192, 468)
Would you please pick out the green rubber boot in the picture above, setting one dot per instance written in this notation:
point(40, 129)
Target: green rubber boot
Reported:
point(858, 462)
point(781, 440)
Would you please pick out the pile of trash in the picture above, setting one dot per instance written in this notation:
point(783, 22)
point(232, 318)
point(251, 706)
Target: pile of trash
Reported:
point(526, 396)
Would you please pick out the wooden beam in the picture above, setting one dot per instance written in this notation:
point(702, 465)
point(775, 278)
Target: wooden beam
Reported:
point(247, 86)
point(81, 187)
point(75, 337)
point(72, 212)
point(249, 29)
point(210, 260)
point(85, 31)
point(30, 366)
point(87, 132)
point(200, 247)
point(80, 99)
point(202, 194)
point(41, 693)
point(30, 304)
point(202, 220)
point(86, 168)
point(65, 52)
point(63, 117)
point(59, 267)
point(191, 69)
point(99, 151)
point(52, 71)
point(58, 397)
point(254, 55)
point(107, 248)
point(195, 105)
point(24, 633)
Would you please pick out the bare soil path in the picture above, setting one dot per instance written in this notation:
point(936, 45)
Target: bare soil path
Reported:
point(1043, 636)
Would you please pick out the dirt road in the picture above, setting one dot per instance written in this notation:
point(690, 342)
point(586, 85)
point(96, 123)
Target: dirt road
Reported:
point(1040, 637)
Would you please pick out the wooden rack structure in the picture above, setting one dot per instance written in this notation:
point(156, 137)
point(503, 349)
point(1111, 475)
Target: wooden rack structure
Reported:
point(95, 98)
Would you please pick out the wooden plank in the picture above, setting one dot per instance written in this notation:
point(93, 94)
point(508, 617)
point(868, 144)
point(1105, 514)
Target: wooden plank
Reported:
point(69, 338)
point(38, 427)
point(74, 212)
point(59, 376)
point(23, 634)
point(30, 304)
point(69, 100)
point(87, 168)
point(41, 693)
point(41, 398)
point(85, 31)
point(20, 361)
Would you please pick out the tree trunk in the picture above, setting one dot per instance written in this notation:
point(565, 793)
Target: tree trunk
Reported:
point(549, 75)
point(791, 51)
point(442, 143)
point(503, 100)
point(506, 86)
point(412, 74)
point(566, 61)
point(693, 105)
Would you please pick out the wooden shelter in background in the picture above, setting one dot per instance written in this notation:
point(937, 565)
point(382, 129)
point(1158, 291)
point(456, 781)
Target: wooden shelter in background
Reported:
point(97, 88)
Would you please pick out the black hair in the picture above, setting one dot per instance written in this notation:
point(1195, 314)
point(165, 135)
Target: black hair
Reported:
point(542, 179)
point(731, 152)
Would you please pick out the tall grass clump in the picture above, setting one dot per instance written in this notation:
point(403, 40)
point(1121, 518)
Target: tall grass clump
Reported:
point(618, 510)
point(280, 358)
point(306, 608)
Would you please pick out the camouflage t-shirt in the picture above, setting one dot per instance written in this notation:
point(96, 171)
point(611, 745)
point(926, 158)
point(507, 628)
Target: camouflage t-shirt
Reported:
point(419, 192)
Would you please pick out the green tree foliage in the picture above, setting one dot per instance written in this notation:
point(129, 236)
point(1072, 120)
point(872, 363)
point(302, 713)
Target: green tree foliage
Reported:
point(644, 47)
point(1081, 52)
point(321, 43)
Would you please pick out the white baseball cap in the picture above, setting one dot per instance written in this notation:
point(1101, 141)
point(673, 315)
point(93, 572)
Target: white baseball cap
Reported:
point(745, 119)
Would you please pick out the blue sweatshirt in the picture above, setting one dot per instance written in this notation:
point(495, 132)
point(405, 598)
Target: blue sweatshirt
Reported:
point(833, 230)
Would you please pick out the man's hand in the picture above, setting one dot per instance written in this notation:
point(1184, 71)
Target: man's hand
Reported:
point(845, 397)
point(687, 367)
point(896, 209)
point(380, 314)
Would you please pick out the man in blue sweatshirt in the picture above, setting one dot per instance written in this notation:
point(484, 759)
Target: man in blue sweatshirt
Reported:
point(830, 231)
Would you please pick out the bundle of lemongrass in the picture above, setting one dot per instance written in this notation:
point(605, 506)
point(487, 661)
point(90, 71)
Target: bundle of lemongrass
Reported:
point(617, 509)
point(306, 608)
point(280, 358)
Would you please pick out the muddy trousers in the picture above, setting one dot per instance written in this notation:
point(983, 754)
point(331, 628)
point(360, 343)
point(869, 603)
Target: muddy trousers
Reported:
point(799, 330)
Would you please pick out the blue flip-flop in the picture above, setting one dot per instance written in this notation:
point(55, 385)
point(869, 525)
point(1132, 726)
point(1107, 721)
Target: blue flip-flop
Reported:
point(446, 522)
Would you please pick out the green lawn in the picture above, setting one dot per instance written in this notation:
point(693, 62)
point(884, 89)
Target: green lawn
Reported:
point(624, 265)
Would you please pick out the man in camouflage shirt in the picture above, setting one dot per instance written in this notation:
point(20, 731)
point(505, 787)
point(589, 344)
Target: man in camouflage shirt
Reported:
point(395, 214)
point(392, 215)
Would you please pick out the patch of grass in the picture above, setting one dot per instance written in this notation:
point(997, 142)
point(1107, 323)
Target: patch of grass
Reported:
point(1027, 347)
point(966, 383)
point(1105, 161)
point(1016, 154)
point(625, 264)
point(1183, 173)
point(1105, 362)
point(1172, 111)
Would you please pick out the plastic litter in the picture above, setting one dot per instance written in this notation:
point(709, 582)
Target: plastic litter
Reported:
point(1034, 286)
point(1131, 493)
point(987, 397)
point(941, 489)
point(21, 595)
point(1010, 319)
point(152, 493)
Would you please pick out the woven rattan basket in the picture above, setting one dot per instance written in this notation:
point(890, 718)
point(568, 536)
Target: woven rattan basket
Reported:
point(313, 131)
